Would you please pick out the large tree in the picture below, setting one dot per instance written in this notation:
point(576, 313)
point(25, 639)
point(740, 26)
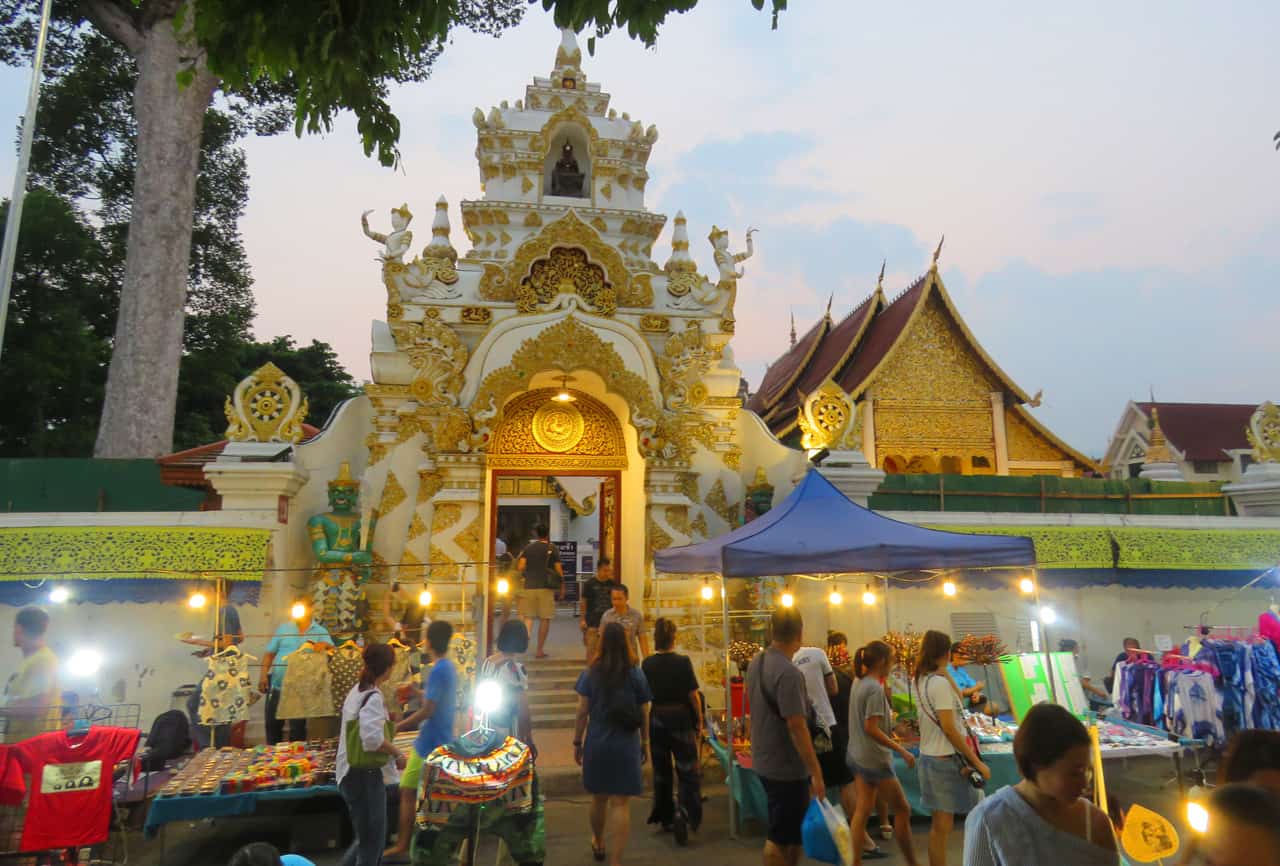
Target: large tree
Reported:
point(319, 58)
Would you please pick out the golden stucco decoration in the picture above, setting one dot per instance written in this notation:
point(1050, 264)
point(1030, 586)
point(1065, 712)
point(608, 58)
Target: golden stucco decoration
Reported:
point(686, 359)
point(502, 282)
point(566, 270)
point(566, 346)
point(719, 503)
point(828, 418)
point(655, 324)
point(557, 426)
point(438, 358)
point(266, 406)
point(1264, 433)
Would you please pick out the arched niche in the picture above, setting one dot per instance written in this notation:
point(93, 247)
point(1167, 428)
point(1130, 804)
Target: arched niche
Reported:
point(572, 134)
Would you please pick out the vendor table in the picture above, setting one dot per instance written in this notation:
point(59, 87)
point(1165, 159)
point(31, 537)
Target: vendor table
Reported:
point(166, 809)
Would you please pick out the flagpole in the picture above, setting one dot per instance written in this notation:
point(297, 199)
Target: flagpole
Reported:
point(8, 252)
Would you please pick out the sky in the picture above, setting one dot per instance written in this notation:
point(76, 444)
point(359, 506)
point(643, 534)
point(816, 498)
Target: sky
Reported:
point(1104, 174)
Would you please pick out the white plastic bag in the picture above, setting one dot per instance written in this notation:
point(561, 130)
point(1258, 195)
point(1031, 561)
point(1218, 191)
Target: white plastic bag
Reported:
point(838, 827)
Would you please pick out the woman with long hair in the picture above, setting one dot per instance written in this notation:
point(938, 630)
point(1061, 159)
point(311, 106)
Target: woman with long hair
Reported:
point(1043, 818)
point(611, 739)
point(367, 760)
point(675, 727)
point(945, 789)
point(871, 747)
point(505, 668)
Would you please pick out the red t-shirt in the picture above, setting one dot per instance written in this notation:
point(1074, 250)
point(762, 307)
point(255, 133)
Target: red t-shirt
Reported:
point(70, 800)
point(12, 786)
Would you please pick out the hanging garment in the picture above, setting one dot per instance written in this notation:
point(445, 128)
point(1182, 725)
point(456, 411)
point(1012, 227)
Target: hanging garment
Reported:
point(401, 672)
point(1269, 627)
point(462, 649)
point(1194, 707)
point(1265, 668)
point(340, 603)
point(308, 688)
point(492, 784)
point(70, 799)
point(226, 690)
point(345, 665)
point(1228, 657)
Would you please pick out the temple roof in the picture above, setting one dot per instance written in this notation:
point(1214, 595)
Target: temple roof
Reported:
point(186, 468)
point(782, 373)
point(1203, 431)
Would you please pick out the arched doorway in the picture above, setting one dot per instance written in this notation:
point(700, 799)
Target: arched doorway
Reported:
point(557, 458)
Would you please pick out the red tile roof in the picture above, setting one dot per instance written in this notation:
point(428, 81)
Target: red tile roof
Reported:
point(783, 372)
point(186, 468)
point(1203, 431)
point(883, 335)
point(834, 351)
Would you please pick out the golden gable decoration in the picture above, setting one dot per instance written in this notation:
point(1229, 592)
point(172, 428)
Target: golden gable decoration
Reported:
point(267, 406)
point(830, 419)
point(1264, 433)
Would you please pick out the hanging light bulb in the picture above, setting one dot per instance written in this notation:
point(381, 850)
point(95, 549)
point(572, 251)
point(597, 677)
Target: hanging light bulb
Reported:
point(424, 598)
point(835, 598)
point(564, 395)
point(504, 586)
point(197, 600)
point(868, 597)
point(1047, 615)
point(298, 611)
point(59, 595)
point(949, 589)
point(1027, 585)
point(707, 592)
point(787, 599)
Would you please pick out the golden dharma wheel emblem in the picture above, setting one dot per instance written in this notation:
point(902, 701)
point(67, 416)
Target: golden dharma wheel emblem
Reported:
point(558, 427)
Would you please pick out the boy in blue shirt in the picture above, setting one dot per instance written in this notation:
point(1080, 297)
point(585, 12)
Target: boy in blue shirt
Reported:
point(439, 703)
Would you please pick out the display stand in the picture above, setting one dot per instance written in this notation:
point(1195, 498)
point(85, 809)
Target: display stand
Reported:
point(1027, 683)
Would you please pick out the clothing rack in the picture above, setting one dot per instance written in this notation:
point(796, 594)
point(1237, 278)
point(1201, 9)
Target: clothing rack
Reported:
point(1204, 630)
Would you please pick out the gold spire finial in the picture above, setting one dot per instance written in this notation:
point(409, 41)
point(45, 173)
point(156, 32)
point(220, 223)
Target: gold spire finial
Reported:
point(1158, 451)
point(793, 328)
point(938, 252)
point(880, 281)
point(344, 478)
point(831, 297)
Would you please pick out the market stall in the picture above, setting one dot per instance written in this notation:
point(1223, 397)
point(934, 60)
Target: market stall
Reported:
point(818, 533)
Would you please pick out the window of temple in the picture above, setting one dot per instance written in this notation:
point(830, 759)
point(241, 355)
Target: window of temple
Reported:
point(953, 465)
point(567, 167)
point(1205, 467)
point(893, 464)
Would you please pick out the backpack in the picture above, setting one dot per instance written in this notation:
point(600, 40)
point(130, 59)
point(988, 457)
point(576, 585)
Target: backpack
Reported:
point(170, 737)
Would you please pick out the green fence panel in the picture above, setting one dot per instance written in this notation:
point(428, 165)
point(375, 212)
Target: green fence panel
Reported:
point(67, 484)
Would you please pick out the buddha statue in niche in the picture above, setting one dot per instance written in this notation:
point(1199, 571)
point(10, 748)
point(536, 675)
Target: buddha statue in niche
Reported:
point(567, 178)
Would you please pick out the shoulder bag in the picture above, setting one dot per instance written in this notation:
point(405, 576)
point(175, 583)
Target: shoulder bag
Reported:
point(358, 757)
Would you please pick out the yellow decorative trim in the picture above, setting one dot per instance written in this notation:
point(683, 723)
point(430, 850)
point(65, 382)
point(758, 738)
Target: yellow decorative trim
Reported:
point(443, 516)
point(469, 539)
point(658, 538)
point(655, 324)
point(1264, 433)
point(678, 518)
point(102, 552)
point(698, 527)
point(477, 315)
point(1196, 549)
point(417, 527)
point(532, 220)
point(718, 502)
point(429, 484)
point(392, 494)
point(732, 458)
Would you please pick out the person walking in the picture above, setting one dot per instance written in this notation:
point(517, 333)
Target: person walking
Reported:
point(434, 721)
point(631, 620)
point(611, 740)
point(597, 597)
point(782, 752)
point(675, 729)
point(870, 749)
point(505, 668)
point(367, 760)
point(543, 577)
point(943, 748)
point(31, 696)
point(288, 638)
point(1043, 818)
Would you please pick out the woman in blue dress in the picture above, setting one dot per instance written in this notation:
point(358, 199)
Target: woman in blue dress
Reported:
point(610, 740)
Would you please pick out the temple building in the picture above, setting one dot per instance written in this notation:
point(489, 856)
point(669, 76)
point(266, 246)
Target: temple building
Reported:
point(1204, 441)
point(930, 398)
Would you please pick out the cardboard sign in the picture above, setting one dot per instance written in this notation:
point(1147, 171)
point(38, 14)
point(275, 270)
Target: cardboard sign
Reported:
point(1147, 836)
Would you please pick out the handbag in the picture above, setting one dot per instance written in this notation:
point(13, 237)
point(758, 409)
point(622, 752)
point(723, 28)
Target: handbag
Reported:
point(968, 773)
point(820, 736)
point(358, 757)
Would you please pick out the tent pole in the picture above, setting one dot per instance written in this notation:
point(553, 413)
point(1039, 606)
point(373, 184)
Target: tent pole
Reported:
point(1044, 638)
point(887, 627)
point(728, 701)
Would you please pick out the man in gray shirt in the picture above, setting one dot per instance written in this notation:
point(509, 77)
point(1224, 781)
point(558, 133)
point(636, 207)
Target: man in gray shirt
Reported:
point(630, 619)
point(782, 753)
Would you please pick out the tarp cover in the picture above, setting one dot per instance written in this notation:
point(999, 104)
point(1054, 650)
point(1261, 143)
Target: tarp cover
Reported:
point(817, 530)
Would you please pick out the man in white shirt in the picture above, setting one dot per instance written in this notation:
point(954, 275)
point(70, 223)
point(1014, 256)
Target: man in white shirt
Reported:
point(819, 682)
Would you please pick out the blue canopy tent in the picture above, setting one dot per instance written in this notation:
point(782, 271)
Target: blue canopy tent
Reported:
point(817, 530)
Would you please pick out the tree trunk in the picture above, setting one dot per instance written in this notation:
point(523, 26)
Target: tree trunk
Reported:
point(142, 383)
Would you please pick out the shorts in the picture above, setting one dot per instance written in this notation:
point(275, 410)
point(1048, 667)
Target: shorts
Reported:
point(942, 788)
point(591, 640)
point(538, 603)
point(412, 773)
point(835, 772)
point(874, 775)
point(788, 801)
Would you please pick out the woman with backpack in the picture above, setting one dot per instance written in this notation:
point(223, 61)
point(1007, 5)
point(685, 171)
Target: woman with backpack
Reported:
point(611, 740)
point(505, 668)
point(367, 760)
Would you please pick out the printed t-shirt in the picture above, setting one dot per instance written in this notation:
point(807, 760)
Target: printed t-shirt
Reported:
point(70, 801)
point(540, 558)
point(36, 678)
point(867, 699)
point(815, 666)
point(514, 679)
point(12, 786)
point(937, 695)
point(286, 640)
point(632, 621)
point(597, 598)
point(442, 690)
point(773, 755)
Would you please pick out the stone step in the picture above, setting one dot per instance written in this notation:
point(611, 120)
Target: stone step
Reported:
point(572, 663)
point(557, 719)
point(553, 704)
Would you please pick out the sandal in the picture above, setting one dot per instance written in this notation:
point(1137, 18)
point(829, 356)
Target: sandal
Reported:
point(886, 832)
point(597, 853)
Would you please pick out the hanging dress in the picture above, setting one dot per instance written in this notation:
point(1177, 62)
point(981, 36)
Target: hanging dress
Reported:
point(226, 688)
